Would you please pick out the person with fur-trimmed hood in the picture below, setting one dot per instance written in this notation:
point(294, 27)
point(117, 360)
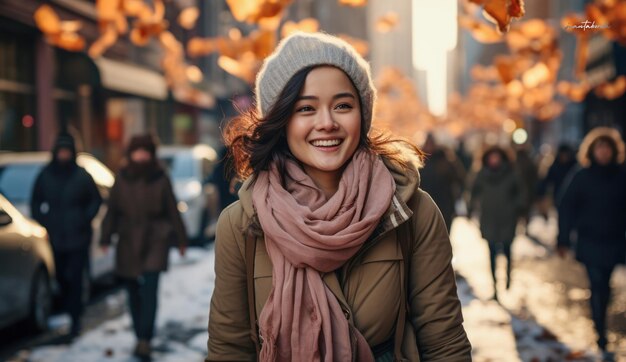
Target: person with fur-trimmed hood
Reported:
point(594, 205)
point(143, 214)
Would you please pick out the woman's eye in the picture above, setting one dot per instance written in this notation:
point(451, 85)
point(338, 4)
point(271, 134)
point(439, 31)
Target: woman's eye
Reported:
point(304, 109)
point(344, 106)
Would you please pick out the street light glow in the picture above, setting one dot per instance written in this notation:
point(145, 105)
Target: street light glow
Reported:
point(520, 136)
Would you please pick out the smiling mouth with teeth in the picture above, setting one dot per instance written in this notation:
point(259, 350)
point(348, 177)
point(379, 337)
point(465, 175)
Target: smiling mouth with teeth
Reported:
point(326, 143)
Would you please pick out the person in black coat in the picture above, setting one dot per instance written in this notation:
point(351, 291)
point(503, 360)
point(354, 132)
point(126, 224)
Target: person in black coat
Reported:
point(594, 205)
point(442, 177)
point(563, 163)
point(65, 200)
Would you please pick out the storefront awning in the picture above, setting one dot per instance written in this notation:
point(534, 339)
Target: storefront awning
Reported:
point(131, 79)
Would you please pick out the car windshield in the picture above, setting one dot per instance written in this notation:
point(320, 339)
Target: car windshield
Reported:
point(17, 181)
point(179, 166)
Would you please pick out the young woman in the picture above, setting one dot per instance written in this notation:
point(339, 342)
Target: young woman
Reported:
point(142, 213)
point(327, 206)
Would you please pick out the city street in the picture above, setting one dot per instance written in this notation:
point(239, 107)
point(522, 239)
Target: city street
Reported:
point(128, 127)
point(543, 317)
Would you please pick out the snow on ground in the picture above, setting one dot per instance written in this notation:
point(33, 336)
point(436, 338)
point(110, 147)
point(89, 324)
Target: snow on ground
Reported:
point(182, 318)
point(497, 333)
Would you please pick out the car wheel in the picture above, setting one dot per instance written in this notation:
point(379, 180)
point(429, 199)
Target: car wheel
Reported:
point(40, 301)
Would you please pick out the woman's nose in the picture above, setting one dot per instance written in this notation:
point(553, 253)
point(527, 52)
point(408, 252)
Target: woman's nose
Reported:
point(326, 122)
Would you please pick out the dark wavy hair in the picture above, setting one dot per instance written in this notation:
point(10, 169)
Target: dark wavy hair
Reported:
point(254, 142)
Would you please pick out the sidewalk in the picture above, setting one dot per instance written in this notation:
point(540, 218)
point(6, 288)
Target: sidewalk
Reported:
point(182, 318)
point(532, 323)
point(539, 320)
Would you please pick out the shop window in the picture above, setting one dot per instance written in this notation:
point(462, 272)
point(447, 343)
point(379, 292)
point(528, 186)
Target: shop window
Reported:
point(17, 122)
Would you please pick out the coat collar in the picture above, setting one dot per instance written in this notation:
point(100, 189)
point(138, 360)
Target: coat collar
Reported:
point(407, 181)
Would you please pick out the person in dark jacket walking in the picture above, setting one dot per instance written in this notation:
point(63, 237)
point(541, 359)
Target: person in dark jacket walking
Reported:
point(143, 214)
point(65, 200)
point(527, 171)
point(499, 196)
point(442, 177)
point(564, 162)
point(594, 205)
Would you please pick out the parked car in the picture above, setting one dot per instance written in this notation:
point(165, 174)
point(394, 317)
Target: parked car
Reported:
point(26, 269)
point(191, 170)
point(18, 173)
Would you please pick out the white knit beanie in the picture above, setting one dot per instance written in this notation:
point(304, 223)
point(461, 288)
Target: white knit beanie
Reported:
point(301, 50)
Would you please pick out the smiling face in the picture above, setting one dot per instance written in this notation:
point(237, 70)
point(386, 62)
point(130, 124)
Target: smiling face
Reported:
point(324, 130)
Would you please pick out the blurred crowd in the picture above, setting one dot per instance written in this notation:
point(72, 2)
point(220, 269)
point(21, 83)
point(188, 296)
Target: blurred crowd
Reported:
point(504, 186)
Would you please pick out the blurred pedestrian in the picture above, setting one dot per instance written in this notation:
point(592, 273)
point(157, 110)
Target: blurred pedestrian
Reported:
point(222, 177)
point(332, 250)
point(65, 200)
point(594, 205)
point(498, 196)
point(442, 177)
point(143, 214)
point(550, 186)
point(527, 170)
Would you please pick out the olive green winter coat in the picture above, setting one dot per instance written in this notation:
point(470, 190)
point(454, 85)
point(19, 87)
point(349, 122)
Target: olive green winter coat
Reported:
point(368, 287)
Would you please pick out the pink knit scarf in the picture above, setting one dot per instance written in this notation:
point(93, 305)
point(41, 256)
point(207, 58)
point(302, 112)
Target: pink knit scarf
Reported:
point(307, 235)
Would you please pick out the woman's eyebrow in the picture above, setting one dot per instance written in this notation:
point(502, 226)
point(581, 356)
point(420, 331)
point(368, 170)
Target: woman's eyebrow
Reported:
point(307, 97)
point(344, 95)
point(336, 96)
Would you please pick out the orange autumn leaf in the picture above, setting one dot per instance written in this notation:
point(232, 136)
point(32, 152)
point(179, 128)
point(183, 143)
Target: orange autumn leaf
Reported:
point(484, 74)
point(245, 68)
point(612, 90)
point(252, 11)
point(353, 3)
point(170, 43)
point(538, 74)
point(387, 22)
point(594, 14)
point(308, 25)
point(501, 12)
point(516, 9)
point(479, 30)
point(574, 91)
point(47, 20)
point(108, 9)
point(534, 35)
point(71, 26)
point(134, 7)
point(271, 23)
point(62, 34)
point(582, 54)
point(188, 17)
point(106, 40)
point(194, 74)
point(505, 67)
point(121, 24)
point(159, 11)
point(549, 111)
point(68, 41)
point(263, 43)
